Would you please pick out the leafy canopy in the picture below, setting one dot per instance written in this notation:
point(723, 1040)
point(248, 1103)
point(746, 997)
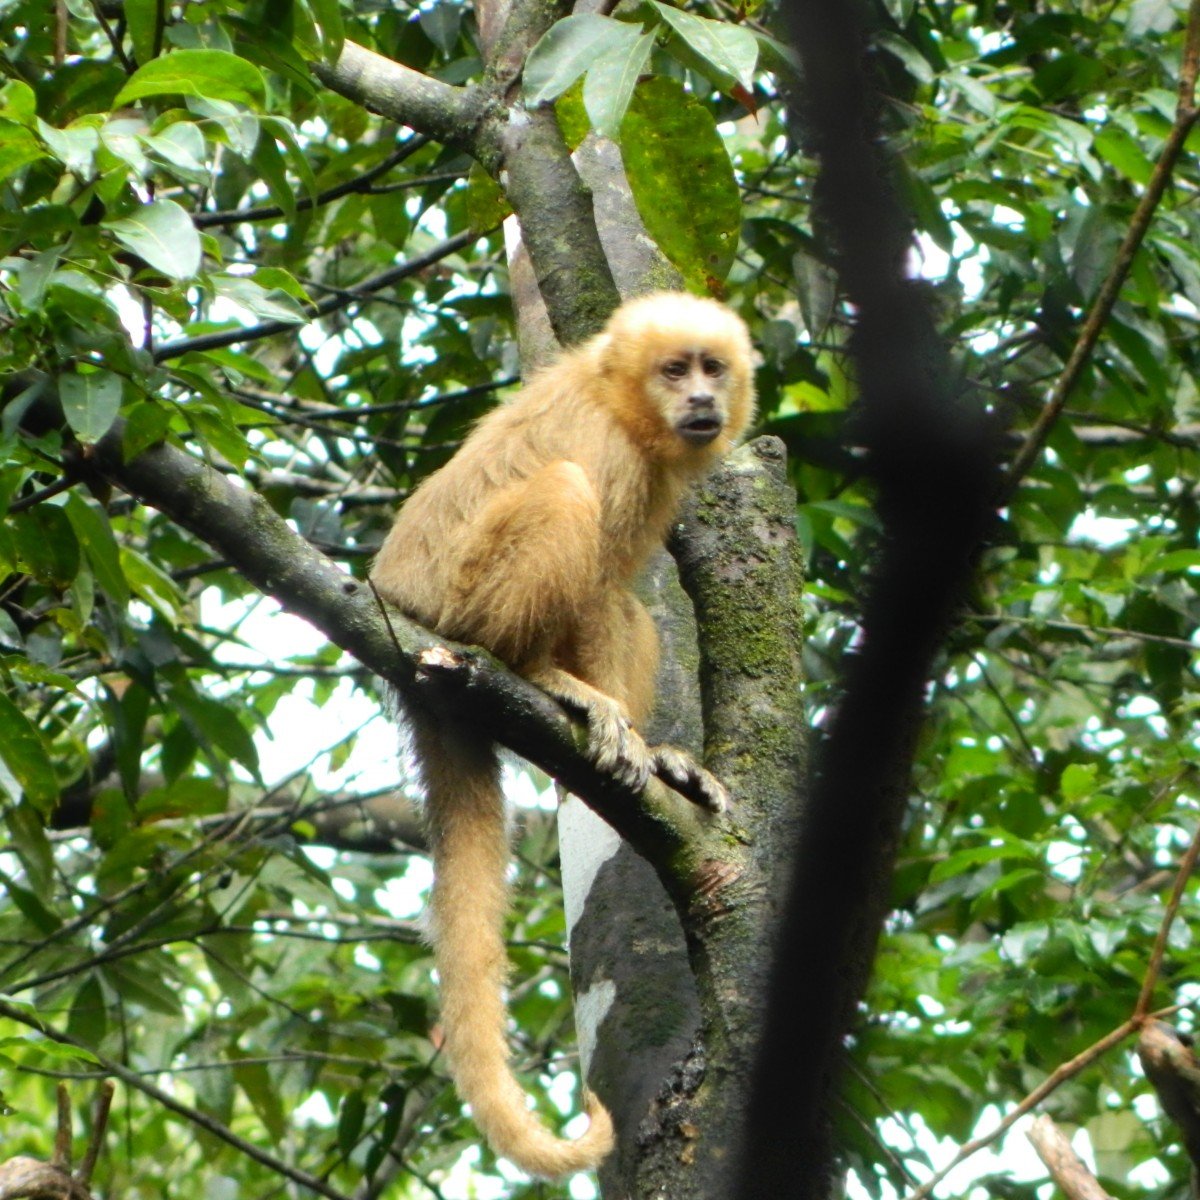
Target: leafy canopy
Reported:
point(193, 235)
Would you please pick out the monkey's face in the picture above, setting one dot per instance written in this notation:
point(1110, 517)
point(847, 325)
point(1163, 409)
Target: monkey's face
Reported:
point(678, 371)
point(691, 388)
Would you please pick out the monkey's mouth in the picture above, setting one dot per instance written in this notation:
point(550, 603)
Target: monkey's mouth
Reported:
point(699, 429)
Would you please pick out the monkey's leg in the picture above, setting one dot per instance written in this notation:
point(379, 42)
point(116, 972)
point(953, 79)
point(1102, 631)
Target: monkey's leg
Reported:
point(527, 581)
point(620, 658)
point(526, 565)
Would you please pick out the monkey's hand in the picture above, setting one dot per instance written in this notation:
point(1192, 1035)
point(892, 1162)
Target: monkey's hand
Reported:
point(680, 771)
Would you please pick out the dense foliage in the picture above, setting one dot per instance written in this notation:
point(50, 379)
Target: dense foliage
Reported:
point(199, 237)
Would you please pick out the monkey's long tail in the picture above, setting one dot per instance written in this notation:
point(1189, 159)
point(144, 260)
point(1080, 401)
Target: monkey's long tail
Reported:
point(467, 909)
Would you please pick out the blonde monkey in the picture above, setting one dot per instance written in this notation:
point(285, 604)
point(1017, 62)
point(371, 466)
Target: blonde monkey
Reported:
point(527, 543)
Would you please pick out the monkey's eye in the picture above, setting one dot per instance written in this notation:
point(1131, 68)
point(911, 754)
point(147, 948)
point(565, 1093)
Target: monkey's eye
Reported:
point(676, 369)
point(714, 367)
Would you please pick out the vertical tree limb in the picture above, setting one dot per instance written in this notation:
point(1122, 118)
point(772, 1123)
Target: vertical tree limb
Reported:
point(933, 464)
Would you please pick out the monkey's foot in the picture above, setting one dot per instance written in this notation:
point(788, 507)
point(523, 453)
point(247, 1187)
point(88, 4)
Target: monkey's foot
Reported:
point(615, 746)
point(681, 772)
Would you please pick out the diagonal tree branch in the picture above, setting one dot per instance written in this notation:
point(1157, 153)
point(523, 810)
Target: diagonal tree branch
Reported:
point(1102, 307)
point(247, 532)
point(358, 183)
point(342, 299)
point(444, 112)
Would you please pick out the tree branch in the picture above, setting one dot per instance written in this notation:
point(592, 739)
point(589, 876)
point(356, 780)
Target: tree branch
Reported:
point(1184, 872)
point(1098, 315)
point(1157, 1049)
point(432, 672)
point(1066, 1168)
point(250, 333)
point(1054, 1080)
point(558, 222)
point(1174, 1073)
point(272, 212)
point(449, 114)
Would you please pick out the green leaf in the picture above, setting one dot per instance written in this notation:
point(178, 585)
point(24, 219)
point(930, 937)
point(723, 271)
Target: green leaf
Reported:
point(142, 19)
point(610, 81)
point(216, 724)
point(182, 147)
point(46, 545)
point(1078, 782)
point(88, 1020)
point(137, 981)
point(192, 797)
point(914, 61)
point(36, 1050)
point(976, 856)
point(25, 753)
point(95, 536)
point(122, 138)
point(74, 147)
point(91, 401)
point(163, 234)
point(152, 585)
point(1119, 149)
point(18, 102)
point(1176, 562)
point(729, 50)
point(328, 14)
point(567, 49)
point(441, 23)
point(34, 275)
point(255, 1080)
point(270, 305)
point(18, 148)
point(487, 204)
point(351, 1116)
point(221, 434)
point(209, 74)
point(682, 180)
point(296, 154)
point(269, 162)
point(145, 426)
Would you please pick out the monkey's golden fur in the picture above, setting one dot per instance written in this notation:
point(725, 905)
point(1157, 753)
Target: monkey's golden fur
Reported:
point(527, 543)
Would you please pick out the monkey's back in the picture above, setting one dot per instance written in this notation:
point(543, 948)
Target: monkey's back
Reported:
point(549, 420)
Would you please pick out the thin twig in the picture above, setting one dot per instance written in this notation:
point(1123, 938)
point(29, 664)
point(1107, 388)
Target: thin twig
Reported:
point(62, 1137)
point(1186, 866)
point(359, 183)
point(1098, 315)
point(1057, 1077)
point(1104, 631)
point(250, 333)
point(1086, 1057)
point(99, 1125)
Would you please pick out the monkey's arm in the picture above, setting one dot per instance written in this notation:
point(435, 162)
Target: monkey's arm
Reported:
point(616, 746)
point(527, 583)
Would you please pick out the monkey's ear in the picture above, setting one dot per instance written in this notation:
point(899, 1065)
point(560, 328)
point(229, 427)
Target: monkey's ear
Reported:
point(604, 348)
